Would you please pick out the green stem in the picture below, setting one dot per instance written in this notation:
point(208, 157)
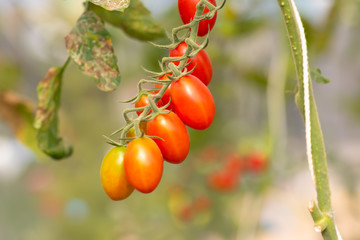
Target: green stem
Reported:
point(66, 63)
point(305, 101)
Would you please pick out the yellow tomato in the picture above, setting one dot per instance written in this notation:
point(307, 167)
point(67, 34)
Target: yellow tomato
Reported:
point(112, 175)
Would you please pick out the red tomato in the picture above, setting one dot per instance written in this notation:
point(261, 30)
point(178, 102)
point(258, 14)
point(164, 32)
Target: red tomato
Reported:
point(223, 181)
point(166, 97)
point(143, 164)
point(172, 130)
point(193, 102)
point(257, 162)
point(187, 9)
point(144, 101)
point(201, 62)
point(112, 175)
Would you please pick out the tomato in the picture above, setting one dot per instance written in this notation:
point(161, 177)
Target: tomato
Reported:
point(172, 130)
point(112, 175)
point(131, 133)
point(257, 162)
point(201, 62)
point(144, 101)
point(166, 97)
point(193, 102)
point(223, 181)
point(143, 164)
point(187, 9)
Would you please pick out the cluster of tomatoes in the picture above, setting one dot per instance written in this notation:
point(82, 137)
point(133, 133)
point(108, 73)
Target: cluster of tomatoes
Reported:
point(227, 178)
point(139, 165)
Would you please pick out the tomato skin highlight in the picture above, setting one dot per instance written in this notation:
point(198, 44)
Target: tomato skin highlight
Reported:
point(193, 102)
point(187, 10)
point(201, 63)
point(143, 164)
point(171, 129)
point(143, 102)
point(112, 175)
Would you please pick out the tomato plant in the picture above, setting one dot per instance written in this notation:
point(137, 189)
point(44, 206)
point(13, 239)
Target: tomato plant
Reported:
point(176, 142)
point(188, 98)
point(201, 63)
point(187, 9)
point(143, 164)
point(112, 175)
point(193, 102)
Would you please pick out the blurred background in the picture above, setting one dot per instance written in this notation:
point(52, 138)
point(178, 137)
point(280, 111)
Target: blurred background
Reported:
point(257, 129)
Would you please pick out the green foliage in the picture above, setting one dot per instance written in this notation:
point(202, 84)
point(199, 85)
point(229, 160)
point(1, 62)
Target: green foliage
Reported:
point(89, 46)
point(136, 21)
point(317, 76)
point(46, 119)
point(119, 5)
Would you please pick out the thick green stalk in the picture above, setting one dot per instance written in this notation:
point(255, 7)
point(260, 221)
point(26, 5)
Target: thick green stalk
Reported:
point(323, 213)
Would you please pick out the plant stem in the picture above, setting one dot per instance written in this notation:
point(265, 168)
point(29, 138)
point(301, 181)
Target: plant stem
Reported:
point(323, 216)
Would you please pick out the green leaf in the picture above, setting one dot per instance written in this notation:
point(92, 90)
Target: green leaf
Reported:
point(118, 5)
point(89, 46)
point(136, 21)
point(46, 119)
point(317, 76)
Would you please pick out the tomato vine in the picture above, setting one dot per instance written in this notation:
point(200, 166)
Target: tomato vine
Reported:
point(173, 71)
point(165, 136)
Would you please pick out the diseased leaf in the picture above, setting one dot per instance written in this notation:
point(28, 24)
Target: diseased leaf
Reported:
point(111, 5)
point(46, 119)
point(89, 46)
point(17, 112)
point(317, 76)
point(49, 97)
point(136, 21)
